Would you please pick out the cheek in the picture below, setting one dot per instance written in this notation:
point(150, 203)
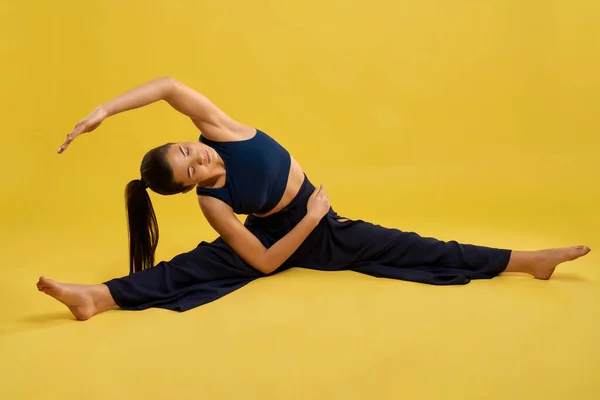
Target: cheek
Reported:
point(203, 174)
point(180, 174)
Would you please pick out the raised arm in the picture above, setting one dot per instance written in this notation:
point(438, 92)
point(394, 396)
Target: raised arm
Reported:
point(248, 247)
point(212, 122)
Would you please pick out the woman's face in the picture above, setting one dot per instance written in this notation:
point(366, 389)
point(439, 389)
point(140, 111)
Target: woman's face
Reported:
point(193, 163)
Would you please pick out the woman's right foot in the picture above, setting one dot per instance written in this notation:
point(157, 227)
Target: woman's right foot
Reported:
point(78, 298)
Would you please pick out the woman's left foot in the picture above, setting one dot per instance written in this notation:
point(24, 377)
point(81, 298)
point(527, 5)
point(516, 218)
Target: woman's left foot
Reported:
point(547, 260)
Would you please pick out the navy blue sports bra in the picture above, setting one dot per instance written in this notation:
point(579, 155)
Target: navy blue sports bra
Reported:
point(257, 172)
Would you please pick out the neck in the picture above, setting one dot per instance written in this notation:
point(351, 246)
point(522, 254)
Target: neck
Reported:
point(218, 178)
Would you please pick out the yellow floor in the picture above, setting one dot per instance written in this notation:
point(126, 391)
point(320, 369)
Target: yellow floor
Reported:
point(474, 121)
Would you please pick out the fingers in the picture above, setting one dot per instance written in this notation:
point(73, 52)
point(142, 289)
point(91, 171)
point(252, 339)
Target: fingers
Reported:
point(70, 137)
point(88, 124)
point(323, 196)
point(323, 192)
point(65, 144)
point(320, 194)
point(316, 192)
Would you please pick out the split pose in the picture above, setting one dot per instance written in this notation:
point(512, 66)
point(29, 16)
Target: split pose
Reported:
point(236, 169)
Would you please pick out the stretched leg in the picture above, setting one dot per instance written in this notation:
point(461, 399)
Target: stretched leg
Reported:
point(391, 253)
point(208, 272)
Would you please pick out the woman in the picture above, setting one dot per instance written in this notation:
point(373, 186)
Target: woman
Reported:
point(238, 169)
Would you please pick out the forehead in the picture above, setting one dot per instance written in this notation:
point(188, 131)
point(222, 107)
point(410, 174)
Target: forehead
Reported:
point(184, 145)
point(176, 158)
point(175, 150)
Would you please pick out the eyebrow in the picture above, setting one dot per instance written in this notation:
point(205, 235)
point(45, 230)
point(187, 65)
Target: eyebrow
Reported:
point(188, 170)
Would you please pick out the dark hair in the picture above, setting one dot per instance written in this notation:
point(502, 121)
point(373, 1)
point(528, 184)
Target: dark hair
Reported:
point(157, 175)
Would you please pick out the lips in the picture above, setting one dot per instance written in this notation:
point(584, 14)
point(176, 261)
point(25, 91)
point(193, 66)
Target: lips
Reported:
point(208, 157)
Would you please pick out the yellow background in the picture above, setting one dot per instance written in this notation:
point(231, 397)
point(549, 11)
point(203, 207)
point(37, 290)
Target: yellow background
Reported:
point(468, 120)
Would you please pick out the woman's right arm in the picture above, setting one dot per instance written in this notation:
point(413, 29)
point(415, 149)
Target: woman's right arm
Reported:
point(140, 96)
point(213, 122)
point(248, 247)
point(147, 93)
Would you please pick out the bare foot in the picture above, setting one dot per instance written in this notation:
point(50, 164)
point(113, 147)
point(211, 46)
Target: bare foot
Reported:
point(79, 298)
point(547, 260)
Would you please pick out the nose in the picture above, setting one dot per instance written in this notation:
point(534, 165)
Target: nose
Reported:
point(200, 156)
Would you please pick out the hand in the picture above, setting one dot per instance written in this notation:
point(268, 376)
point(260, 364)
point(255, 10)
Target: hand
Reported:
point(318, 203)
point(87, 124)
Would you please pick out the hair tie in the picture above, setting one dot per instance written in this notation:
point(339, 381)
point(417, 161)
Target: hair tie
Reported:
point(144, 185)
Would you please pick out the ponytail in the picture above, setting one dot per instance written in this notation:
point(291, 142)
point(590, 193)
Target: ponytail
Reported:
point(143, 227)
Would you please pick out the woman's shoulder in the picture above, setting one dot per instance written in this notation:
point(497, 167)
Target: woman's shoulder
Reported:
point(234, 133)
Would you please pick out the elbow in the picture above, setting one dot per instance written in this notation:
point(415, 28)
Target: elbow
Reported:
point(266, 266)
point(169, 85)
point(167, 79)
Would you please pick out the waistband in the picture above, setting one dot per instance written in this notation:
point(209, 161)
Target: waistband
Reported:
point(296, 207)
point(301, 198)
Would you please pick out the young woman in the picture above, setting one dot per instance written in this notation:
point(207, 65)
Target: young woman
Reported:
point(238, 169)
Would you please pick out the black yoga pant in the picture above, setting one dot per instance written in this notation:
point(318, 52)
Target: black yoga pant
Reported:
point(213, 270)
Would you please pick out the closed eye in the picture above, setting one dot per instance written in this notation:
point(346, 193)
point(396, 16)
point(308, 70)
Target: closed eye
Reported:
point(185, 153)
point(192, 168)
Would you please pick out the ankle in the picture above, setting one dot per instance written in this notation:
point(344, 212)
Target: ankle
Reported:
point(522, 262)
point(102, 298)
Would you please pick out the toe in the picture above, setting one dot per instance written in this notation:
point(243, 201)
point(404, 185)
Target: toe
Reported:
point(586, 249)
point(579, 251)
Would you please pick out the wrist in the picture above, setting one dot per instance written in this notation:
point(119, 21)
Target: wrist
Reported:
point(312, 219)
point(105, 110)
